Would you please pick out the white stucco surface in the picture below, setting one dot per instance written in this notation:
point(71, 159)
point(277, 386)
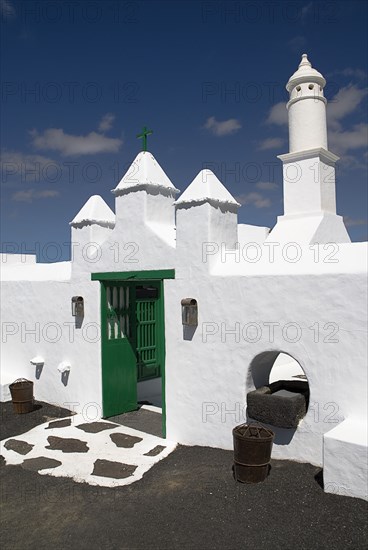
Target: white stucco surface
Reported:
point(42, 324)
point(345, 460)
point(95, 211)
point(10, 259)
point(58, 271)
point(144, 171)
point(251, 234)
point(206, 187)
point(231, 338)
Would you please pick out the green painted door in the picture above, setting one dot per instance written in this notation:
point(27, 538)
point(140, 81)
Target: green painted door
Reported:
point(119, 372)
point(133, 340)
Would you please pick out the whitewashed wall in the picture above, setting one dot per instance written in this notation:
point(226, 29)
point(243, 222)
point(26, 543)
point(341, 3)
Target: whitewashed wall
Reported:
point(210, 370)
point(218, 370)
point(37, 321)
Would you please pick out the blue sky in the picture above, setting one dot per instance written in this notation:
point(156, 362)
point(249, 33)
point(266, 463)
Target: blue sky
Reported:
point(81, 78)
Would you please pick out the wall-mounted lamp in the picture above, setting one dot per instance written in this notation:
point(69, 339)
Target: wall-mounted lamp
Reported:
point(189, 312)
point(77, 306)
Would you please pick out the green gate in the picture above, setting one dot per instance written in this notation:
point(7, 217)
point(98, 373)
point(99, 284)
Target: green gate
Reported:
point(132, 336)
point(148, 327)
point(119, 378)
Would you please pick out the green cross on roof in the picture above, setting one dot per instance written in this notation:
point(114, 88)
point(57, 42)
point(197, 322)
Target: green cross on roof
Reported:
point(143, 136)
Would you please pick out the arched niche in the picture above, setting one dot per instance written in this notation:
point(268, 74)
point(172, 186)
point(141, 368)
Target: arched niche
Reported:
point(277, 390)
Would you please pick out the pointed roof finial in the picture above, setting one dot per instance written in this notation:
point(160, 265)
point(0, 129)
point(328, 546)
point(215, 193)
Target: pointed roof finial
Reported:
point(144, 172)
point(305, 61)
point(94, 212)
point(305, 73)
point(206, 187)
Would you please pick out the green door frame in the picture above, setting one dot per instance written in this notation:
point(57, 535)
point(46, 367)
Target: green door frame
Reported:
point(137, 276)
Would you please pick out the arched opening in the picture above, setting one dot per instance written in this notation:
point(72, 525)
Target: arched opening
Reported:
point(286, 367)
point(279, 390)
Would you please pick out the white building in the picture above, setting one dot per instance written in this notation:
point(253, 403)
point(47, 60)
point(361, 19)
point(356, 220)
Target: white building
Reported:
point(266, 300)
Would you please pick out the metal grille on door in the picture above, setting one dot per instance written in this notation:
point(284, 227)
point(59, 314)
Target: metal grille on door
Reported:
point(118, 318)
point(146, 312)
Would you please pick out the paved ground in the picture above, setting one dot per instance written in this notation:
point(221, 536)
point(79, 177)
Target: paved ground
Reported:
point(188, 501)
point(98, 452)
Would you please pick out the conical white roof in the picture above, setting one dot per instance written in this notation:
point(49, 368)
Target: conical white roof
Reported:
point(95, 211)
point(144, 171)
point(305, 73)
point(206, 187)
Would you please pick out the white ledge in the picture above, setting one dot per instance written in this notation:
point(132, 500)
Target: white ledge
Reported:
point(203, 200)
point(138, 186)
point(321, 152)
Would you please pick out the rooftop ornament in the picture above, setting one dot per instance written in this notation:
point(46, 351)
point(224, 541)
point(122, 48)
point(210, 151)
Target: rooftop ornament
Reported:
point(143, 137)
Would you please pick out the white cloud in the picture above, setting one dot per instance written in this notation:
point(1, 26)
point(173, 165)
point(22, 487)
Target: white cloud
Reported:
point(351, 72)
point(254, 198)
point(350, 222)
point(56, 139)
point(7, 10)
point(351, 162)
point(306, 9)
point(18, 157)
point(278, 114)
point(106, 122)
point(347, 140)
point(28, 167)
point(271, 143)
point(266, 185)
point(224, 128)
point(30, 195)
point(297, 43)
point(344, 103)
point(341, 140)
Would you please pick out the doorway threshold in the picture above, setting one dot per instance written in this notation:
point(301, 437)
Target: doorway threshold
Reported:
point(147, 419)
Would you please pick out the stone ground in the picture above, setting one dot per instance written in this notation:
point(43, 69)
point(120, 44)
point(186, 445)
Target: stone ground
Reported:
point(187, 501)
point(98, 452)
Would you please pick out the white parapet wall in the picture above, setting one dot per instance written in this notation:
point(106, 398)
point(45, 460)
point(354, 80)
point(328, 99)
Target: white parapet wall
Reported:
point(345, 458)
point(17, 259)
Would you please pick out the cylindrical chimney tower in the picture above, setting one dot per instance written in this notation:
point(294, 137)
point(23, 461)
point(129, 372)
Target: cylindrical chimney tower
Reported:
point(306, 108)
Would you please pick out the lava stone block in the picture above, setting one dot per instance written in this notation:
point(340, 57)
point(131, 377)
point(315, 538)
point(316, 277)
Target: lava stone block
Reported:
point(282, 404)
point(18, 446)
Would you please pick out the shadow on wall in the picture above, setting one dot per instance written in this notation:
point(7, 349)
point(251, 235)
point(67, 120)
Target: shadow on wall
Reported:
point(260, 368)
point(283, 436)
point(65, 377)
point(79, 321)
point(39, 369)
point(188, 332)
